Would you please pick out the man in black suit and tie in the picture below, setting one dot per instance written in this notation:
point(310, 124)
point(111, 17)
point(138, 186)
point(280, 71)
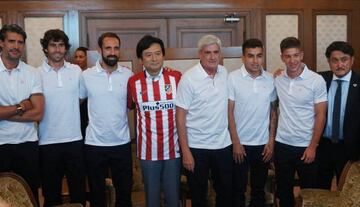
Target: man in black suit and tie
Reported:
point(341, 138)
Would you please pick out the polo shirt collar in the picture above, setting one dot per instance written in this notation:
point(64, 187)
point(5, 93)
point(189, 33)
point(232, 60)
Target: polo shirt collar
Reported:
point(155, 78)
point(303, 75)
point(47, 68)
point(245, 73)
point(100, 69)
point(3, 68)
point(202, 73)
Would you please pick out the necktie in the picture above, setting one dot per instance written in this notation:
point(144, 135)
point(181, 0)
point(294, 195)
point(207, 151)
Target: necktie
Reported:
point(335, 134)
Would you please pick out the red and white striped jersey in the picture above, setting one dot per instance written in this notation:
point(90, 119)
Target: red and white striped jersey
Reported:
point(154, 98)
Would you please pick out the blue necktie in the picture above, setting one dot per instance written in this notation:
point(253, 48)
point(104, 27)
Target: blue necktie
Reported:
point(335, 134)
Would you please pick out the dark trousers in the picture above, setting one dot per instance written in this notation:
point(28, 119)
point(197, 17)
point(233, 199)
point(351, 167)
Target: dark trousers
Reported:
point(57, 160)
point(98, 161)
point(219, 163)
point(258, 175)
point(332, 160)
point(287, 160)
point(84, 117)
point(22, 159)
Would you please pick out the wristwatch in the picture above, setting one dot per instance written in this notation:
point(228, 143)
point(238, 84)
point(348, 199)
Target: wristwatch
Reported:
point(19, 110)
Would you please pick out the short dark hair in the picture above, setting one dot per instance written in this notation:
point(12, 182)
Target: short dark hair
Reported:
point(251, 43)
point(107, 34)
point(290, 42)
point(145, 42)
point(12, 28)
point(83, 49)
point(55, 35)
point(340, 46)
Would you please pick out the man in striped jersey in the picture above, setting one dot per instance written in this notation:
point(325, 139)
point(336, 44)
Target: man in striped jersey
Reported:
point(153, 91)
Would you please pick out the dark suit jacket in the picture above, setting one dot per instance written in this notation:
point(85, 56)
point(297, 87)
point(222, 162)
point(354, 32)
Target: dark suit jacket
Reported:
point(352, 115)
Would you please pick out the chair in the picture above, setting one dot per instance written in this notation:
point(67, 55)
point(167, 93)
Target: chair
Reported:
point(70, 205)
point(347, 195)
point(14, 191)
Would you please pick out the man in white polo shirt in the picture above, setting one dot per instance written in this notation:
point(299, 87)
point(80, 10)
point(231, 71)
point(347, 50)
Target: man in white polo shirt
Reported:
point(61, 145)
point(21, 105)
point(202, 123)
point(107, 142)
point(252, 123)
point(303, 100)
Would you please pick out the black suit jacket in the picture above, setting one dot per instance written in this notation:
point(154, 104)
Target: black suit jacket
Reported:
point(352, 115)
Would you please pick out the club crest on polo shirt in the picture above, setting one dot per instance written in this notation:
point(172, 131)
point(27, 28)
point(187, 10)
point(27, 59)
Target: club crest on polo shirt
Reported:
point(168, 88)
point(157, 105)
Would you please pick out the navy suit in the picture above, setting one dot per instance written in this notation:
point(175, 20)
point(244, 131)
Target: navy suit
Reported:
point(333, 156)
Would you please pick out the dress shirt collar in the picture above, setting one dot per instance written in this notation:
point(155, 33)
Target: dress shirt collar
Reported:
point(344, 78)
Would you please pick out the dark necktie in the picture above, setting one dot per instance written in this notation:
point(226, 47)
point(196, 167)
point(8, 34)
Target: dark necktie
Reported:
point(335, 134)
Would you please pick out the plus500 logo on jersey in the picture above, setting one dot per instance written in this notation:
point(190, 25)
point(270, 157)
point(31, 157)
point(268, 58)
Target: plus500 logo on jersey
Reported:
point(157, 105)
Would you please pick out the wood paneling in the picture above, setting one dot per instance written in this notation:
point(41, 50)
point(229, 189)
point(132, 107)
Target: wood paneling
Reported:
point(165, 9)
point(176, 29)
point(186, 32)
point(129, 30)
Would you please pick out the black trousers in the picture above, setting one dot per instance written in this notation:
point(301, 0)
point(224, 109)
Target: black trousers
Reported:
point(287, 160)
point(57, 160)
point(22, 159)
point(332, 160)
point(84, 117)
point(219, 163)
point(98, 161)
point(258, 174)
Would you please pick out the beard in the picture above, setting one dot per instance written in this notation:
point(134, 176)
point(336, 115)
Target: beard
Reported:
point(110, 60)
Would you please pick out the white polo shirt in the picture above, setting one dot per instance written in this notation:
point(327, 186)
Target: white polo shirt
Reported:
point(61, 121)
point(298, 97)
point(252, 97)
point(206, 101)
point(107, 105)
point(16, 86)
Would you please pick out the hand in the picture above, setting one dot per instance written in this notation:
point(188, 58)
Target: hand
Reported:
point(188, 161)
point(26, 104)
point(268, 151)
point(238, 153)
point(278, 72)
point(309, 155)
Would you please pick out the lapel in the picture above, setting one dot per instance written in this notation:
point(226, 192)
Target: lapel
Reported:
point(352, 93)
point(328, 75)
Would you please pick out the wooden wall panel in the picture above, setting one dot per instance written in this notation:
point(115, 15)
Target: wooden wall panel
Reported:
point(130, 30)
point(165, 9)
point(185, 32)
